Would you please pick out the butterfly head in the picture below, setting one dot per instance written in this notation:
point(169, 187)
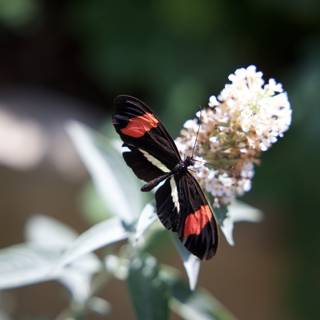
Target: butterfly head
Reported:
point(189, 161)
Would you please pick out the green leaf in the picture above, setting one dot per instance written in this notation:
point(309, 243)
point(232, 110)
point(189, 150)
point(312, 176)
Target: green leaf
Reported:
point(148, 291)
point(190, 305)
point(158, 241)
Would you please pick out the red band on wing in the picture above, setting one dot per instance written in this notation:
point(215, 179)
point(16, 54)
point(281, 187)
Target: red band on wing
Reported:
point(196, 221)
point(139, 125)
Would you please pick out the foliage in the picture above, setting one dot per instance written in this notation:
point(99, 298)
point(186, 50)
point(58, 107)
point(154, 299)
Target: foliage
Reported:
point(53, 251)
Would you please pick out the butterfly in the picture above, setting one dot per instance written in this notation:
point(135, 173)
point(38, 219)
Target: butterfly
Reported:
point(151, 153)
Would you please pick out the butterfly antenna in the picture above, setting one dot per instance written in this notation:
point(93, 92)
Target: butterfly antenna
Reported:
point(195, 142)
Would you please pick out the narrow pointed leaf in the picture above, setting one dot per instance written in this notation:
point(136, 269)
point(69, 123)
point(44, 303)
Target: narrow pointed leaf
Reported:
point(98, 236)
point(48, 232)
point(22, 265)
point(115, 183)
point(147, 217)
point(238, 211)
point(190, 262)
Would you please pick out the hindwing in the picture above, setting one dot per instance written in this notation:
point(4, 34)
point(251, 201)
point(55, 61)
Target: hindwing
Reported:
point(183, 208)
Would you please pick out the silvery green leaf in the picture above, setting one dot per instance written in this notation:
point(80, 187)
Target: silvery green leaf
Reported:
point(98, 236)
point(238, 211)
point(36, 260)
point(191, 263)
point(147, 217)
point(50, 234)
point(148, 292)
point(113, 180)
point(47, 232)
point(87, 264)
point(77, 277)
point(23, 264)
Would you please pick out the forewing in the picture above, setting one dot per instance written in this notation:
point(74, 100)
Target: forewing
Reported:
point(141, 165)
point(143, 133)
point(198, 228)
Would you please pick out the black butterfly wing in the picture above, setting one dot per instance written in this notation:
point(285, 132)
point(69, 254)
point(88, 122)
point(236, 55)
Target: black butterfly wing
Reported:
point(168, 204)
point(151, 152)
point(183, 208)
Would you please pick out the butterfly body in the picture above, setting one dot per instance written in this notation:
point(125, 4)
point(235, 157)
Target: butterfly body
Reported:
point(180, 168)
point(183, 165)
point(153, 156)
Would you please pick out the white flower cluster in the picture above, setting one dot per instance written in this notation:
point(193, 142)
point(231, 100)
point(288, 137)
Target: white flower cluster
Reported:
point(246, 118)
point(255, 106)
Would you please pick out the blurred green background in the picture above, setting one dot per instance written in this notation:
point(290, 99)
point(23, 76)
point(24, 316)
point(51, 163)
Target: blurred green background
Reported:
point(68, 59)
